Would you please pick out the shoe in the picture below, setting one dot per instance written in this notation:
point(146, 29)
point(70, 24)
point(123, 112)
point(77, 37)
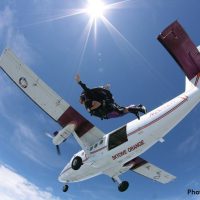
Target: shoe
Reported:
point(142, 109)
point(138, 115)
point(134, 110)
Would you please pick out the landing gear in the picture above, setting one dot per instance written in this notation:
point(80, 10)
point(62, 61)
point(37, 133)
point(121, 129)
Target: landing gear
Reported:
point(65, 188)
point(123, 185)
point(76, 163)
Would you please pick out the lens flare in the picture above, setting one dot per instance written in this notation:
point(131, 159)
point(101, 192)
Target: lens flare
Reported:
point(95, 8)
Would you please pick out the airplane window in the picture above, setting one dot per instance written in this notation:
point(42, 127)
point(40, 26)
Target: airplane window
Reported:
point(91, 148)
point(95, 145)
point(117, 138)
point(101, 142)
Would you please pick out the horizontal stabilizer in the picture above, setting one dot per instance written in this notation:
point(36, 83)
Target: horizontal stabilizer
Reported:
point(182, 49)
point(149, 170)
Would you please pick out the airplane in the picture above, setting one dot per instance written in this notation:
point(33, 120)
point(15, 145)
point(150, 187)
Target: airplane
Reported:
point(119, 151)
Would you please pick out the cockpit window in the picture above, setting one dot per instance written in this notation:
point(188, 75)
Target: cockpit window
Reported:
point(95, 146)
point(91, 148)
point(117, 138)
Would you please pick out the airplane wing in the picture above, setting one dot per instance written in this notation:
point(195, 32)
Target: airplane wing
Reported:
point(86, 133)
point(141, 167)
point(149, 170)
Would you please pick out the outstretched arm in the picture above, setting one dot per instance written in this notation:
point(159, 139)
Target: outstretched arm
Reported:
point(78, 80)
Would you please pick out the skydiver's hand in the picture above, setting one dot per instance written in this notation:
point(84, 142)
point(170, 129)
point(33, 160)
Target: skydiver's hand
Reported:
point(77, 78)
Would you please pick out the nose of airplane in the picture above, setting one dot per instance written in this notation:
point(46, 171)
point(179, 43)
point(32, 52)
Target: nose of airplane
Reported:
point(64, 175)
point(64, 178)
point(61, 178)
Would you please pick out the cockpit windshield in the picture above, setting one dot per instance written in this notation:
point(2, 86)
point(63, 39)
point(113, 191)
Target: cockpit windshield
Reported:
point(117, 138)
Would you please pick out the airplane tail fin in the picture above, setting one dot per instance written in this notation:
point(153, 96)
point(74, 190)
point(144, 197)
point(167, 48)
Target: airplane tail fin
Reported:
point(182, 49)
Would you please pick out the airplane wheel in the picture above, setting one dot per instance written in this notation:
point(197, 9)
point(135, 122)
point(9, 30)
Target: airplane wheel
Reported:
point(65, 188)
point(76, 163)
point(123, 186)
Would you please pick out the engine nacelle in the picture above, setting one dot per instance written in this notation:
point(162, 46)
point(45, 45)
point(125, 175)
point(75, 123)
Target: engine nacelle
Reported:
point(63, 134)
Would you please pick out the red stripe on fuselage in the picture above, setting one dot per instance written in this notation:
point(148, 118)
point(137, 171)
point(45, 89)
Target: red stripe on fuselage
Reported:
point(150, 123)
point(98, 150)
point(142, 162)
point(185, 98)
point(159, 118)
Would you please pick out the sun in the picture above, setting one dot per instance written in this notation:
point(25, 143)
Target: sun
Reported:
point(95, 9)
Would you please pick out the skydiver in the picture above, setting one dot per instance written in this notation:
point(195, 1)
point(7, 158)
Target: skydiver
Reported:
point(99, 102)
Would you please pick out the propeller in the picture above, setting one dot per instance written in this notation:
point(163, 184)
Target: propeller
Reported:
point(57, 146)
point(58, 149)
point(49, 135)
point(52, 136)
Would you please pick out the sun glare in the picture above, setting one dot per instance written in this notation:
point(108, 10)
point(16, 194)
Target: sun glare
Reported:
point(95, 8)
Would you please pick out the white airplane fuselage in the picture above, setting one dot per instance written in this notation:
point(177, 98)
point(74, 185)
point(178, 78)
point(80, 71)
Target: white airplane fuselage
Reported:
point(142, 134)
point(119, 150)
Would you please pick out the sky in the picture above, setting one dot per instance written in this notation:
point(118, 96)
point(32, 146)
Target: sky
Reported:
point(55, 42)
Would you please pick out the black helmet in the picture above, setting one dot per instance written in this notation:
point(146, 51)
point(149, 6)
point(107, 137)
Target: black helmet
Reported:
point(83, 96)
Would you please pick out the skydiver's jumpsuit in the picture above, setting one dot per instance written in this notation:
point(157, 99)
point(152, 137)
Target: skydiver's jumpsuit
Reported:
point(108, 109)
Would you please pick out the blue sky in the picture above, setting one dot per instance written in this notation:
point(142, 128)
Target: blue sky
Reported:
point(139, 70)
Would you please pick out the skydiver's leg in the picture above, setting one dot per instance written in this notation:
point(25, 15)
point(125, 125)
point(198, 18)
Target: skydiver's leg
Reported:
point(118, 111)
point(142, 108)
point(114, 114)
point(136, 109)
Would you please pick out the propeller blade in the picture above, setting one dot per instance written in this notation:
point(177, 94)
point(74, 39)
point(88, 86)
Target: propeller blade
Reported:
point(49, 135)
point(52, 136)
point(55, 133)
point(58, 149)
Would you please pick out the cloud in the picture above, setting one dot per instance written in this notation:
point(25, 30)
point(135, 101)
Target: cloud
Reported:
point(25, 139)
point(181, 197)
point(29, 144)
point(6, 94)
point(190, 144)
point(90, 194)
point(193, 184)
point(6, 18)
point(12, 37)
point(13, 186)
